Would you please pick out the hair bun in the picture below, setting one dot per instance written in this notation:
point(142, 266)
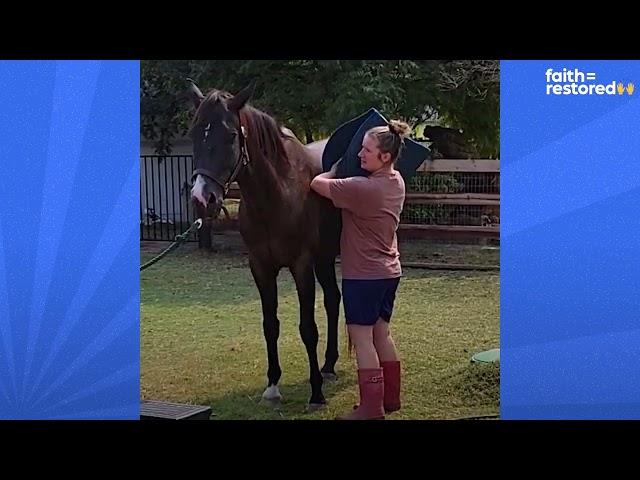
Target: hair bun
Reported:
point(399, 128)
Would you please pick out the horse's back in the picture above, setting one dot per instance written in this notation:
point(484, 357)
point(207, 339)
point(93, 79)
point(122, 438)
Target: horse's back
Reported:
point(315, 151)
point(311, 152)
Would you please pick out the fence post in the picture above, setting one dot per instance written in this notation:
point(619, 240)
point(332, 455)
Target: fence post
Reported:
point(204, 236)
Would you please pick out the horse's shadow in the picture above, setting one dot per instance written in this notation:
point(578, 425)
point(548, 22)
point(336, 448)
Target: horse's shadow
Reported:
point(247, 404)
point(230, 278)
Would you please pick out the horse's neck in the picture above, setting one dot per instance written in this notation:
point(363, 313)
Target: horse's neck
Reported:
point(263, 183)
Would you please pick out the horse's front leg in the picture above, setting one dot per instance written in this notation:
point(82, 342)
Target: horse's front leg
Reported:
point(265, 278)
point(302, 272)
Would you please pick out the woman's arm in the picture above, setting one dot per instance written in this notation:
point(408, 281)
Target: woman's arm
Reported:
point(320, 184)
point(343, 192)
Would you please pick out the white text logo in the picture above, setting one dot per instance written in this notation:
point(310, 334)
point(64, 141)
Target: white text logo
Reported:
point(576, 82)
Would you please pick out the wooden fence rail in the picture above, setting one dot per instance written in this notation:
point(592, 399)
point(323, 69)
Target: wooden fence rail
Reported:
point(469, 202)
point(442, 166)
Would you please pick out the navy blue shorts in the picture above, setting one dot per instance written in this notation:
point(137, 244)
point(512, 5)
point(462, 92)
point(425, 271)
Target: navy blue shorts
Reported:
point(367, 300)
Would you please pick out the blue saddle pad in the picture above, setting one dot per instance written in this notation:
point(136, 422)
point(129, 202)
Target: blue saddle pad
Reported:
point(346, 142)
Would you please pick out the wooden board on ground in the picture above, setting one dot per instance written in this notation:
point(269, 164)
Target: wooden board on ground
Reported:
point(154, 410)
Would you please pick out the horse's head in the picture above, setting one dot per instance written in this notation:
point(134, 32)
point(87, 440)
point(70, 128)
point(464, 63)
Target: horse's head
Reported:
point(219, 146)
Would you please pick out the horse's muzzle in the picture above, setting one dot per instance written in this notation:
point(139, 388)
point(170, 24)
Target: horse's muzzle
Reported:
point(209, 211)
point(206, 195)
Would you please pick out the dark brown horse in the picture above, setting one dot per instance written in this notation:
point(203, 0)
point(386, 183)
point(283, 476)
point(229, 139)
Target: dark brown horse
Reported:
point(282, 221)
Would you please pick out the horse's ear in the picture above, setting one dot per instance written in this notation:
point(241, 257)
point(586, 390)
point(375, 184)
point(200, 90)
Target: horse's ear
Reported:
point(194, 93)
point(242, 97)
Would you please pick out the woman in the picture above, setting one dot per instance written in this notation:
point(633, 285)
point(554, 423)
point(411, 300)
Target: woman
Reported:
point(371, 270)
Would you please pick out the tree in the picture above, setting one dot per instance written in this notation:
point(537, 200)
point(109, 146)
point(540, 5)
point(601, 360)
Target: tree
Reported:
point(313, 97)
point(469, 99)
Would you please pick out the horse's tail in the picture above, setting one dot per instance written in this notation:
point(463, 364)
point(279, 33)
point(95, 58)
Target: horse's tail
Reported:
point(350, 345)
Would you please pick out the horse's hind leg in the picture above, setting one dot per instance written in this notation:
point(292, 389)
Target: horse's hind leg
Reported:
point(326, 273)
point(265, 278)
point(306, 285)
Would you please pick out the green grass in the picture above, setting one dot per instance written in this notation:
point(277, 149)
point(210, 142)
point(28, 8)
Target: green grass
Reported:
point(420, 251)
point(202, 342)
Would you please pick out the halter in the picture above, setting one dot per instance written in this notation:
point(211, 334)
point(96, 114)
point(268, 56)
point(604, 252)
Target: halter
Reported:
point(242, 161)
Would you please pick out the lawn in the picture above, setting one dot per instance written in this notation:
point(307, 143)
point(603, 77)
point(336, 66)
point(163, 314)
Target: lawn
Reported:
point(202, 342)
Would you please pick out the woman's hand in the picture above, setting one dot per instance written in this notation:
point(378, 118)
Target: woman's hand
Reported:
point(334, 169)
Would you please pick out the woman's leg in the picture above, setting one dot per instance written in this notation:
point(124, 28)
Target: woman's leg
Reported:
point(370, 378)
point(390, 364)
point(361, 314)
point(384, 344)
point(362, 339)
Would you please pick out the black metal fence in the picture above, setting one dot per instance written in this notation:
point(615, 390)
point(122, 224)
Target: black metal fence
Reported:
point(165, 206)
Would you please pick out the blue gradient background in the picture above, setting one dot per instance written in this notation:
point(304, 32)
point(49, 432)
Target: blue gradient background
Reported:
point(570, 245)
point(69, 239)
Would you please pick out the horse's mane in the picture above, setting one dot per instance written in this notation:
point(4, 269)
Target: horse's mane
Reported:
point(264, 135)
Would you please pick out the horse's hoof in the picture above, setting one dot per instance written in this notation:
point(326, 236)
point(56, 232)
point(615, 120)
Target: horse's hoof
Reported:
point(329, 377)
point(314, 407)
point(272, 397)
point(273, 403)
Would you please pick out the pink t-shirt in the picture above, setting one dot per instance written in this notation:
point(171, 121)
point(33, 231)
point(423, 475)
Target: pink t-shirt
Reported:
point(371, 208)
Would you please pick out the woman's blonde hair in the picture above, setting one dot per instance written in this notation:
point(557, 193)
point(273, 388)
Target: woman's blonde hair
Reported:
point(390, 137)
